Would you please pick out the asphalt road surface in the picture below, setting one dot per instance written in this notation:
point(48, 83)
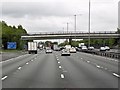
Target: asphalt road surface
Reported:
point(80, 70)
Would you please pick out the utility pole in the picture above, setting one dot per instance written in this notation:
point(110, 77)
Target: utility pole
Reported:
point(89, 24)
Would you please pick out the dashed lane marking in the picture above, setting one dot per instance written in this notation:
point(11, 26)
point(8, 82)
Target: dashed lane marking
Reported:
point(27, 63)
point(62, 76)
point(58, 62)
point(97, 66)
point(116, 75)
point(88, 61)
point(31, 60)
point(60, 67)
point(57, 59)
point(19, 68)
point(4, 78)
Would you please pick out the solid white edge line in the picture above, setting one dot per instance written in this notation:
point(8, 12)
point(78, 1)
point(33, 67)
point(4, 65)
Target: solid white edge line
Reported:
point(62, 76)
point(12, 59)
point(4, 77)
point(116, 75)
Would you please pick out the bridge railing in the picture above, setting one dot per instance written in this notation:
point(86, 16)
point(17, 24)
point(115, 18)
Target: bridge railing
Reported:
point(72, 32)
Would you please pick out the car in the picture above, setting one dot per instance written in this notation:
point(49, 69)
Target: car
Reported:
point(72, 50)
point(84, 48)
point(107, 48)
point(91, 48)
point(65, 52)
point(48, 50)
point(102, 49)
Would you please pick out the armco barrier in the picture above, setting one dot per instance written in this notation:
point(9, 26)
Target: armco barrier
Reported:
point(104, 53)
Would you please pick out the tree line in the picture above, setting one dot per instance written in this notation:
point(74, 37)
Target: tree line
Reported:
point(12, 34)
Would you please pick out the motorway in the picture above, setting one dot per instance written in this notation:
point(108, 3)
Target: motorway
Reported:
point(80, 70)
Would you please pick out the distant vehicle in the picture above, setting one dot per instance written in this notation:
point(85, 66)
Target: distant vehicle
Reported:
point(67, 46)
point(102, 49)
point(81, 44)
point(32, 47)
point(91, 48)
point(72, 50)
point(65, 52)
point(56, 48)
point(107, 48)
point(40, 46)
point(48, 50)
point(84, 48)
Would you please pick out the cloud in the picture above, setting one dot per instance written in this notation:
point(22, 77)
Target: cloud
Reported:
point(52, 15)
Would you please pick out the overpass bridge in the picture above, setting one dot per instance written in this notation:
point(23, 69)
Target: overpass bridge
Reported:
point(70, 35)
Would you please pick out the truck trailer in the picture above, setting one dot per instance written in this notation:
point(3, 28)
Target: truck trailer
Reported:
point(32, 47)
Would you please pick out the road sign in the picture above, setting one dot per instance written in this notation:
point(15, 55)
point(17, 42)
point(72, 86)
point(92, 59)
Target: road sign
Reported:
point(11, 45)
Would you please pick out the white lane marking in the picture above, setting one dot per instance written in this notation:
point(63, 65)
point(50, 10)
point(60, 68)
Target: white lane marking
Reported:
point(60, 67)
point(58, 62)
point(88, 61)
point(81, 58)
point(4, 77)
point(12, 59)
point(97, 66)
point(116, 60)
point(19, 68)
point(27, 63)
point(116, 75)
point(31, 60)
point(57, 59)
point(62, 76)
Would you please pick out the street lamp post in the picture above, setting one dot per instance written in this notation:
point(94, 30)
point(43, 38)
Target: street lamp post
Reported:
point(89, 24)
point(75, 26)
point(67, 26)
point(67, 30)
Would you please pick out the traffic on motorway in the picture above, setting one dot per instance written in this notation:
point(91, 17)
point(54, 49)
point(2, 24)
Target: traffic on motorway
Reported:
point(60, 67)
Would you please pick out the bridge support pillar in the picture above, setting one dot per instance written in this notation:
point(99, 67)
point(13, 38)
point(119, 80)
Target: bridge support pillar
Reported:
point(70, 41)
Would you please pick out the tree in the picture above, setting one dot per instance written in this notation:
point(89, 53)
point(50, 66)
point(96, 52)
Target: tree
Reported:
point(12, 34)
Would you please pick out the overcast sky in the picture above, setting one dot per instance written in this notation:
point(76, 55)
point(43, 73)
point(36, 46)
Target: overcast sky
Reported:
point(53, 15)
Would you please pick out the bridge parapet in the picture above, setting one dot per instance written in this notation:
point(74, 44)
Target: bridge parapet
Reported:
point(71, 32)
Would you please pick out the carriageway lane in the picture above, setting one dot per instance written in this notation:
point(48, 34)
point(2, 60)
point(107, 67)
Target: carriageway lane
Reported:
point(104, 62)
point(83, 75)
point(42, 72)
point(10, 65)
point(56, 71)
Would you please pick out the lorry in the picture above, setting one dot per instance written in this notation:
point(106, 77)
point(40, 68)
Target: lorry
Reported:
point(32, 47)
point(67, 46)
point(81, 44)
point(55, 47)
